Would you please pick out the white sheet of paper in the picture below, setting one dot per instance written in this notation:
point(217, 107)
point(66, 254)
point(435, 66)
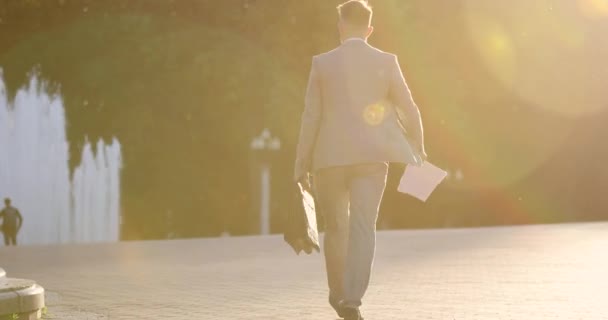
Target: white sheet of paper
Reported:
point(421, 181)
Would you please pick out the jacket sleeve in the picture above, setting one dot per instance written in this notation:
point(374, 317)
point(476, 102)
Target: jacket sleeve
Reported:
point(309, 129)
point(401, 97)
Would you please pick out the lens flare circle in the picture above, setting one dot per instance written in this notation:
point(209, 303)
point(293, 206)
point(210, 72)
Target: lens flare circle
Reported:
point(374, 114)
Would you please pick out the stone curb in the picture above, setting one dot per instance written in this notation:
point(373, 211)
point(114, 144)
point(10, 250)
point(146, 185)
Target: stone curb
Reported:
point(20, 297)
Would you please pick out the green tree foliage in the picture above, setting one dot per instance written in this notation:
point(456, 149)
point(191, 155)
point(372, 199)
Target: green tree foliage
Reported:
point(185, 85)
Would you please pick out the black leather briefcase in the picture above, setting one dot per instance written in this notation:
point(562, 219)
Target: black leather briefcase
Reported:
point(301, 231)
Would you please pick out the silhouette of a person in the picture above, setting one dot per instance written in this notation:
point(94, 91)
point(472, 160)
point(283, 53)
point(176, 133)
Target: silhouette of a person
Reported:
point(11, 223)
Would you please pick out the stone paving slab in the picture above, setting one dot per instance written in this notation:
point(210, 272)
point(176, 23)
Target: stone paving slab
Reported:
point(526, 272)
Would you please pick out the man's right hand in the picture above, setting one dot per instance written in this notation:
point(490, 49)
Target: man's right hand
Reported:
point(305, 182)
point(420, 151)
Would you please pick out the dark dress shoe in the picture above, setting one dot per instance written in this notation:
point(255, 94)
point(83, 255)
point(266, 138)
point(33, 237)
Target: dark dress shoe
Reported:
point(351, 314)
point(336, 305)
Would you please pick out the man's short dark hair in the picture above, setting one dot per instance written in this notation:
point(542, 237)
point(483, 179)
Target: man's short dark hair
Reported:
point(356, 12)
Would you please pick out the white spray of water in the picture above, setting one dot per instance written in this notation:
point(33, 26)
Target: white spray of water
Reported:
point(34, 173)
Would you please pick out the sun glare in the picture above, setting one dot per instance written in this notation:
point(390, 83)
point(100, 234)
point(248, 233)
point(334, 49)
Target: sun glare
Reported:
point(594, 8)
point(537, 50)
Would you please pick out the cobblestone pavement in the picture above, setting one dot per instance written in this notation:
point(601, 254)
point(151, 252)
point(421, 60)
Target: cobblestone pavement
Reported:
point(525, 272)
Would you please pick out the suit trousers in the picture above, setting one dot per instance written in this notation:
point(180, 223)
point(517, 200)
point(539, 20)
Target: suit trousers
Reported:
point(349, 199)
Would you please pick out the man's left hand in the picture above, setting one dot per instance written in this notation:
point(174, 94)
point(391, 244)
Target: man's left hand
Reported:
point(305, 182)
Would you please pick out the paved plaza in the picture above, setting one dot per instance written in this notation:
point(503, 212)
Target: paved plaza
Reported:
point(525, 272)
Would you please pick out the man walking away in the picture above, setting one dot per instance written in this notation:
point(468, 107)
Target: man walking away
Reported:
point(358, 109)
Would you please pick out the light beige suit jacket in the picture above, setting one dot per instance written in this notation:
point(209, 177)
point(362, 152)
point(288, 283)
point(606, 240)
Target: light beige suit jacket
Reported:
point(356, 106)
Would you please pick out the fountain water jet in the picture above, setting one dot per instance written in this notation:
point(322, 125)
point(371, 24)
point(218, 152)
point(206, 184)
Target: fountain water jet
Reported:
point(35, 174)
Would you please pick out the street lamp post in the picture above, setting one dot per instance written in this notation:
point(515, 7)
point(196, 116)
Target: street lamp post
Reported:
point(265, 144)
